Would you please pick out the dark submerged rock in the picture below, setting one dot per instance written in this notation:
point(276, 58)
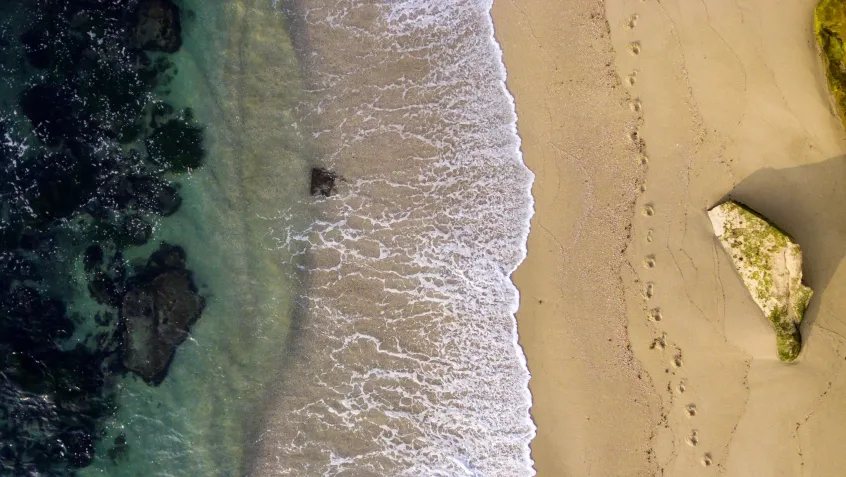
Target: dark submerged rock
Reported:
point(160, 113)
point(50, 109)
point(13, 266)
point(157, 26)
point(77, 444)
point(130, 133)
point(61, 185)
point(36, 44)
point(118, 449)
point(93, 258)
point(148, 193)
point(50, 398)
point(29, 321)
point(157, 312)
point(135, 230)
point(176, 145)
point(166, 257)
point(322, 181)
point(104, 290)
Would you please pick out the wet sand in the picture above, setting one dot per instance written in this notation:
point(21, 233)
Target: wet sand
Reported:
point(590, 396)
point(727, 99)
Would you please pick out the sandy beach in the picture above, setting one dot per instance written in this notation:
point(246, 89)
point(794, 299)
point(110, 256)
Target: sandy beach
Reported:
point(647, 354)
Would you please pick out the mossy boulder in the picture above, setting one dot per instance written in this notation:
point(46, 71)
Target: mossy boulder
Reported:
point(770, 264)
point(830, 30)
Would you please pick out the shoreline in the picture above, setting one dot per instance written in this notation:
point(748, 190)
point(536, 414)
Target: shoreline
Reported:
point(527, 225)
point(703, 103)
point(408, 325)
point(582, 207)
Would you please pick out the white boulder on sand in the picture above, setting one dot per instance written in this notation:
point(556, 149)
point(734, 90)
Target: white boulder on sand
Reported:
point(770, 265)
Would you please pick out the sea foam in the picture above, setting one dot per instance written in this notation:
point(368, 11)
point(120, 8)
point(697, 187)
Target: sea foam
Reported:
point(408, 360)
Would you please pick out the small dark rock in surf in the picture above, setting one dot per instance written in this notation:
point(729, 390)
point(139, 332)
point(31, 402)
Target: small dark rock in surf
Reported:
point(118, 450)
point(322, 181)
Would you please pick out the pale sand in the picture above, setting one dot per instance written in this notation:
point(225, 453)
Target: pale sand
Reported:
point(733, 101)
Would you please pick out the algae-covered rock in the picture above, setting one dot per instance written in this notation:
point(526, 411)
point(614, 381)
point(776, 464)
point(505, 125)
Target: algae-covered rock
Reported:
point(830, 30)
point(770, 265)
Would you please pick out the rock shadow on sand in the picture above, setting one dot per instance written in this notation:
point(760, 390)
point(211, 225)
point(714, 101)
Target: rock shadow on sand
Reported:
point(806, 202)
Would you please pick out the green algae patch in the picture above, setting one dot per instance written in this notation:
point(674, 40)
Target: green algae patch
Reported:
point(770, 265)
point(830, 30)
point(788, 339)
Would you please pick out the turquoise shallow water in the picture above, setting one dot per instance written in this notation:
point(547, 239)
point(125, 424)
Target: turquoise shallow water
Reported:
point(198, 421)
point(366, 333)
point(238, 74)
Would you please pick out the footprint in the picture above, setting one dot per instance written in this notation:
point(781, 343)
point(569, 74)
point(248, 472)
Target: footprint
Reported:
point(642, 159)
point(631, 80)
point(654, 315)
point(692, 439)
point(690, 409)
point(649, 238)
point(649, 290)
point(677, 360)
point(635, 105)
point(659, 343)
point(642, 188)
point(649, 262)
point(634, 48)
point(648, 210)
point(706, 460)
point(681, 388)
point(635, 137)
point(632, 21)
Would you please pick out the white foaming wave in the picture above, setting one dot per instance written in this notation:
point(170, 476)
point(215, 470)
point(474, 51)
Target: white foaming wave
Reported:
point(464, 395)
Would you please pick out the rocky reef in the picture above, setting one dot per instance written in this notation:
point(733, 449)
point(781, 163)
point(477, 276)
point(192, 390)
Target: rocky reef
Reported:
point(158, 309)
point(770, 265)
point(830, 30)
point(89, 159)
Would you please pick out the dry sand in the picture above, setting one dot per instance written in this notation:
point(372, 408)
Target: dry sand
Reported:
point(727, 98)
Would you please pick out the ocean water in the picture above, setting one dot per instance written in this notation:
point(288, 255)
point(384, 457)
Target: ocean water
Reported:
point(368, 333)
point(238, 71)
point(407, 362)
